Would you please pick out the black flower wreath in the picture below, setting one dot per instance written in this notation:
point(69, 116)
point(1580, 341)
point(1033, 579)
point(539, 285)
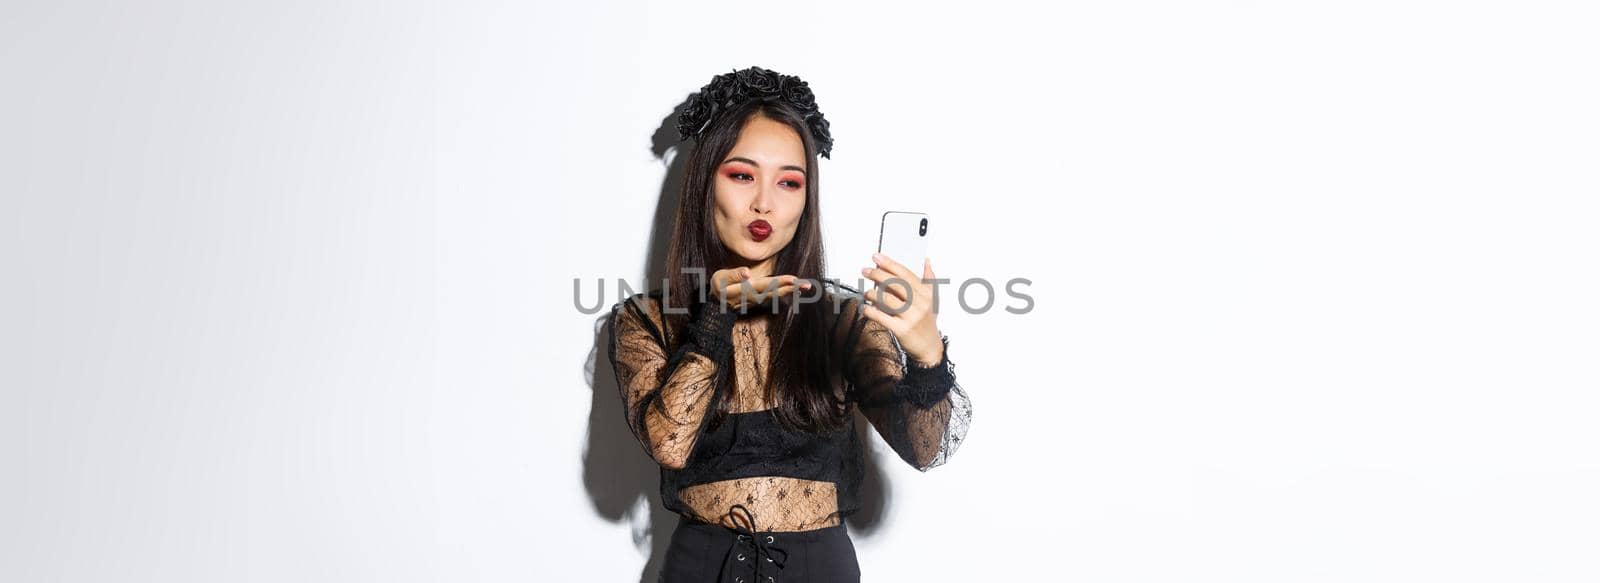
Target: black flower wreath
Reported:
point(728, 90)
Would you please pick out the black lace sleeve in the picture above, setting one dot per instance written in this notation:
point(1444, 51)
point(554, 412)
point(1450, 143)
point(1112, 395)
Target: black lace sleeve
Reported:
point(922, 413)
point(667, 396)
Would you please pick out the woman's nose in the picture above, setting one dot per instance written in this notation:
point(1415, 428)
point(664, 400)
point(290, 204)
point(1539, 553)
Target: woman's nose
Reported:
point(762, 203)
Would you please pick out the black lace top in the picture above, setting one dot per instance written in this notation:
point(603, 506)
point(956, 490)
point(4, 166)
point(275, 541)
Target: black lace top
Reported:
point(790, 479)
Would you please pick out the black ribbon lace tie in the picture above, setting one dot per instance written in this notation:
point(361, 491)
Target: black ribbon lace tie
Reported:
point(759, 547)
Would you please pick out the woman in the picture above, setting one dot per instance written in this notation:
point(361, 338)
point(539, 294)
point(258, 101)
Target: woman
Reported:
point(743, 385)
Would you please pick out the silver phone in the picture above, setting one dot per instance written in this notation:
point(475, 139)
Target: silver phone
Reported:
point(903, 236)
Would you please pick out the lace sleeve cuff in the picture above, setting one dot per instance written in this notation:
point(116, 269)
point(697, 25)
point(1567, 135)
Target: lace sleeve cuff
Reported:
point(712, 331)
point(926, 386)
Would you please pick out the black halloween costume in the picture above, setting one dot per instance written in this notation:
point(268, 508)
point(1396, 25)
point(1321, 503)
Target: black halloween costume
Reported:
point(714, 474)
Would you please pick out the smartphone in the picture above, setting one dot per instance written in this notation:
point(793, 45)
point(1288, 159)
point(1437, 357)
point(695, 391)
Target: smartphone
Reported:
point(903, 236)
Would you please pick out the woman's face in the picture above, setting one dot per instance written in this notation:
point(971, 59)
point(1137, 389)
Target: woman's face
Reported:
point(762, 179)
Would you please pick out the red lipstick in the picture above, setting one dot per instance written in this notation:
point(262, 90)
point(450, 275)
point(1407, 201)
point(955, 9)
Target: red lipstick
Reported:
point(759, 229)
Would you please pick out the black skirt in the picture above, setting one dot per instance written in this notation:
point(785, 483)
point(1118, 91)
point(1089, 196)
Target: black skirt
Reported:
point(701, 552)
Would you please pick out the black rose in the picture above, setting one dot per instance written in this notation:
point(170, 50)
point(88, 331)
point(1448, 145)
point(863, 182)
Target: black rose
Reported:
point(797, 92)
point(761, 82)
point(819, 132)
point(695, 116)
point(725, 90)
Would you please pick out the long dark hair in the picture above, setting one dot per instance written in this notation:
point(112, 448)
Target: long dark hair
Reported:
point(803, 373)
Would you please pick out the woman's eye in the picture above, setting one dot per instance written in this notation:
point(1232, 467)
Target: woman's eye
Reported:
point(745, 177)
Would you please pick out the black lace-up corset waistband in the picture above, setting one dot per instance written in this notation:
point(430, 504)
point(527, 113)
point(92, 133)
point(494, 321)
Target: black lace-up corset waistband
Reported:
point(761, 549)
point(758, 556)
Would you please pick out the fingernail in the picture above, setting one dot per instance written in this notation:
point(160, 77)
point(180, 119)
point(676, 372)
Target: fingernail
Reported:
point(877, 257)
point(866, 271)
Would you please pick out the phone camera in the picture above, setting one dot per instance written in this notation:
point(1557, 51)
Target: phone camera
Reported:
point(922, 229)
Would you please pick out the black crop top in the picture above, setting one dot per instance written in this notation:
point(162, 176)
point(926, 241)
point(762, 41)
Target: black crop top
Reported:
point(667, 384)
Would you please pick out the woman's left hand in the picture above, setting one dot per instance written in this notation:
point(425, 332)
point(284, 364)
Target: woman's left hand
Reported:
point(903, 303)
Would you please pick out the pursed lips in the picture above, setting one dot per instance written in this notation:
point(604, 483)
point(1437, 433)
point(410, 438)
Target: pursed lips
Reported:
point(759, 229)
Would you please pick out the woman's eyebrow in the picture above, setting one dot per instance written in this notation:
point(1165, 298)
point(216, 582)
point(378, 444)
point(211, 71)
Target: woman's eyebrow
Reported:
point(753, 163)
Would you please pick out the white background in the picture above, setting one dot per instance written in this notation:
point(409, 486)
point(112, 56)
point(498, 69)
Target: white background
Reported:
point(288, 285)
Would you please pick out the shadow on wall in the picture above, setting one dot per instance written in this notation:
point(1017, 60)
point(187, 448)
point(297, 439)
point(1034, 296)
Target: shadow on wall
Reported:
point(622, 481)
